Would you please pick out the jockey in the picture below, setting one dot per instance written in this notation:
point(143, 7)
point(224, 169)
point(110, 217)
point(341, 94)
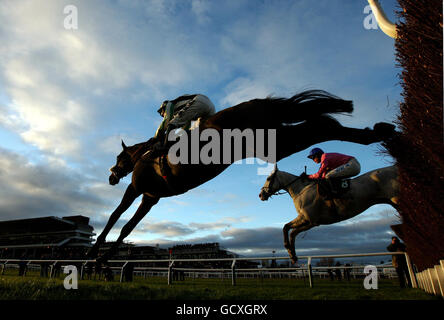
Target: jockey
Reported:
point(179, 113)
point(333, 166)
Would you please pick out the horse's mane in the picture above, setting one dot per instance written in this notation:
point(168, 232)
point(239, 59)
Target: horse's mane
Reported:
point(137, 150)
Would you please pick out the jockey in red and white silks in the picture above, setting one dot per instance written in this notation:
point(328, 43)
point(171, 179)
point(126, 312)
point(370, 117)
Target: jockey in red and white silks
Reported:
point(334, 165)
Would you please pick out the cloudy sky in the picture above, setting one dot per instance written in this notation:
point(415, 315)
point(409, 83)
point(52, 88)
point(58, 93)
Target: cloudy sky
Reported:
point(67, 97)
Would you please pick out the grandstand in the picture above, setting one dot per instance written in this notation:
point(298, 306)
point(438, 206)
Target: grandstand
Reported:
point(45, 236)
point(70, 237)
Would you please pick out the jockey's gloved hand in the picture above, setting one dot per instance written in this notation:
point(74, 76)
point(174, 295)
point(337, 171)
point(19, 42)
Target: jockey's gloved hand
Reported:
point(304, 175)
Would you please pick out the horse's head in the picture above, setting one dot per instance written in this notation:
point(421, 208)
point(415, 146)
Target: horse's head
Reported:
point(123, 166)
point(271, 185)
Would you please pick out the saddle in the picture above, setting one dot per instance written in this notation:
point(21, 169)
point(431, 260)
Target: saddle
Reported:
point(333, 188)
point(330, 189)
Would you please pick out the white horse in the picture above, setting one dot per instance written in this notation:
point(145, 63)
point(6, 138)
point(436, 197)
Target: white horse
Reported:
point(374, 187)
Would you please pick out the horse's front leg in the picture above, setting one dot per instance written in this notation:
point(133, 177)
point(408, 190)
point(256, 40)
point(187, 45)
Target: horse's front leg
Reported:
point(144, 207)
point(285, 230)
point(298, 225)
point(127, 200)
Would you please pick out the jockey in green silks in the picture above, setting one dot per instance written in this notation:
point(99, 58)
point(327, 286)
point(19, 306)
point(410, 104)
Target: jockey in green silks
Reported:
point(179, 113)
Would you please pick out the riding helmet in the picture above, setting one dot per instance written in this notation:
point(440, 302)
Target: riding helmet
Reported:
point(315, 152)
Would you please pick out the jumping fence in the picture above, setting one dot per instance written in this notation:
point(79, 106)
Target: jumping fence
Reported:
point(431, 280)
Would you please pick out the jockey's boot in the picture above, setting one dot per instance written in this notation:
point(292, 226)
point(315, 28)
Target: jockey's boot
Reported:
point(325, 189)
point(333, 187)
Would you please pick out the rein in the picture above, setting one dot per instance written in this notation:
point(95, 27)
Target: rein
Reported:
point(277, 193)
point(292, 181)
point(140, 151)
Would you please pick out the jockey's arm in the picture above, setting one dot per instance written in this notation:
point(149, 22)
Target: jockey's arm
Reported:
point(160, 132)
point(320, 173)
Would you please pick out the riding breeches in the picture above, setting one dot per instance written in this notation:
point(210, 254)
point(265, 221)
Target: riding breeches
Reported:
point(199, 107)
point(349, 169)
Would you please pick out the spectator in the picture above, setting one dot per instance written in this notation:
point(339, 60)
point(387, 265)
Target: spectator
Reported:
point(22, 265)
point(108, 273)
point(89, 270)
point(399, 263)
point(338, 271)
point(330, 274)
point(44, 266)
point(347, 272)
point(98, 270)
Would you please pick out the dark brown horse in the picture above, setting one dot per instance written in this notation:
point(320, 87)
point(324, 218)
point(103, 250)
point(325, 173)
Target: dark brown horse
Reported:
point(299, 122)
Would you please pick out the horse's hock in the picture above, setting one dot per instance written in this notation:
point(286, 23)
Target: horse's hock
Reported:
point(419, 151)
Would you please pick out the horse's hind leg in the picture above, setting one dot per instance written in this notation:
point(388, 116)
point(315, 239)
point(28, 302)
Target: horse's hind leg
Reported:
point(144, 207)
point(127, 200)
point(298, 137)
point(331, 129)
point(297, 226)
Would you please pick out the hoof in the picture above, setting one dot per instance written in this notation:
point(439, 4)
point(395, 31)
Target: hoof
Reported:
point(384, 130)
point(294, 260)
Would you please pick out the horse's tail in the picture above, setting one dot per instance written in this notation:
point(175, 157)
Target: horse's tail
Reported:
point(272, 112)
point(307, 105)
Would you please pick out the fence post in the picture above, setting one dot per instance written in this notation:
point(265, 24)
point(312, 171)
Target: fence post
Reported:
point(51, 272)
point(122, 270)
point(26, 268)
point(440, 275)
point(82, 268)
point(170, 272)
point(233, 272)
point(411, 273)
point(310, 272)
point(4, 267)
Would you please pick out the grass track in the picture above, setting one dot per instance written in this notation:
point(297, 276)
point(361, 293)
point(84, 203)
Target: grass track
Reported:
point(32, 287)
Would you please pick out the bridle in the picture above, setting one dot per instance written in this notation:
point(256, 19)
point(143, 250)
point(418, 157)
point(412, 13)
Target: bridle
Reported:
point(277, 193)
point(120, 172)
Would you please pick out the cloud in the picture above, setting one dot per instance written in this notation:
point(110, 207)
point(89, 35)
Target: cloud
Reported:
point(201, 9)
point(167, 228)
point(73, 94)
point(55, 104)
point(35, 190)
point(84, 78)
point(176, 229)
point(353, 237)
point(291, 47)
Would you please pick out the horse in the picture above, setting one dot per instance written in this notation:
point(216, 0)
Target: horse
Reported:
point(299, 122)
point(380, 186)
